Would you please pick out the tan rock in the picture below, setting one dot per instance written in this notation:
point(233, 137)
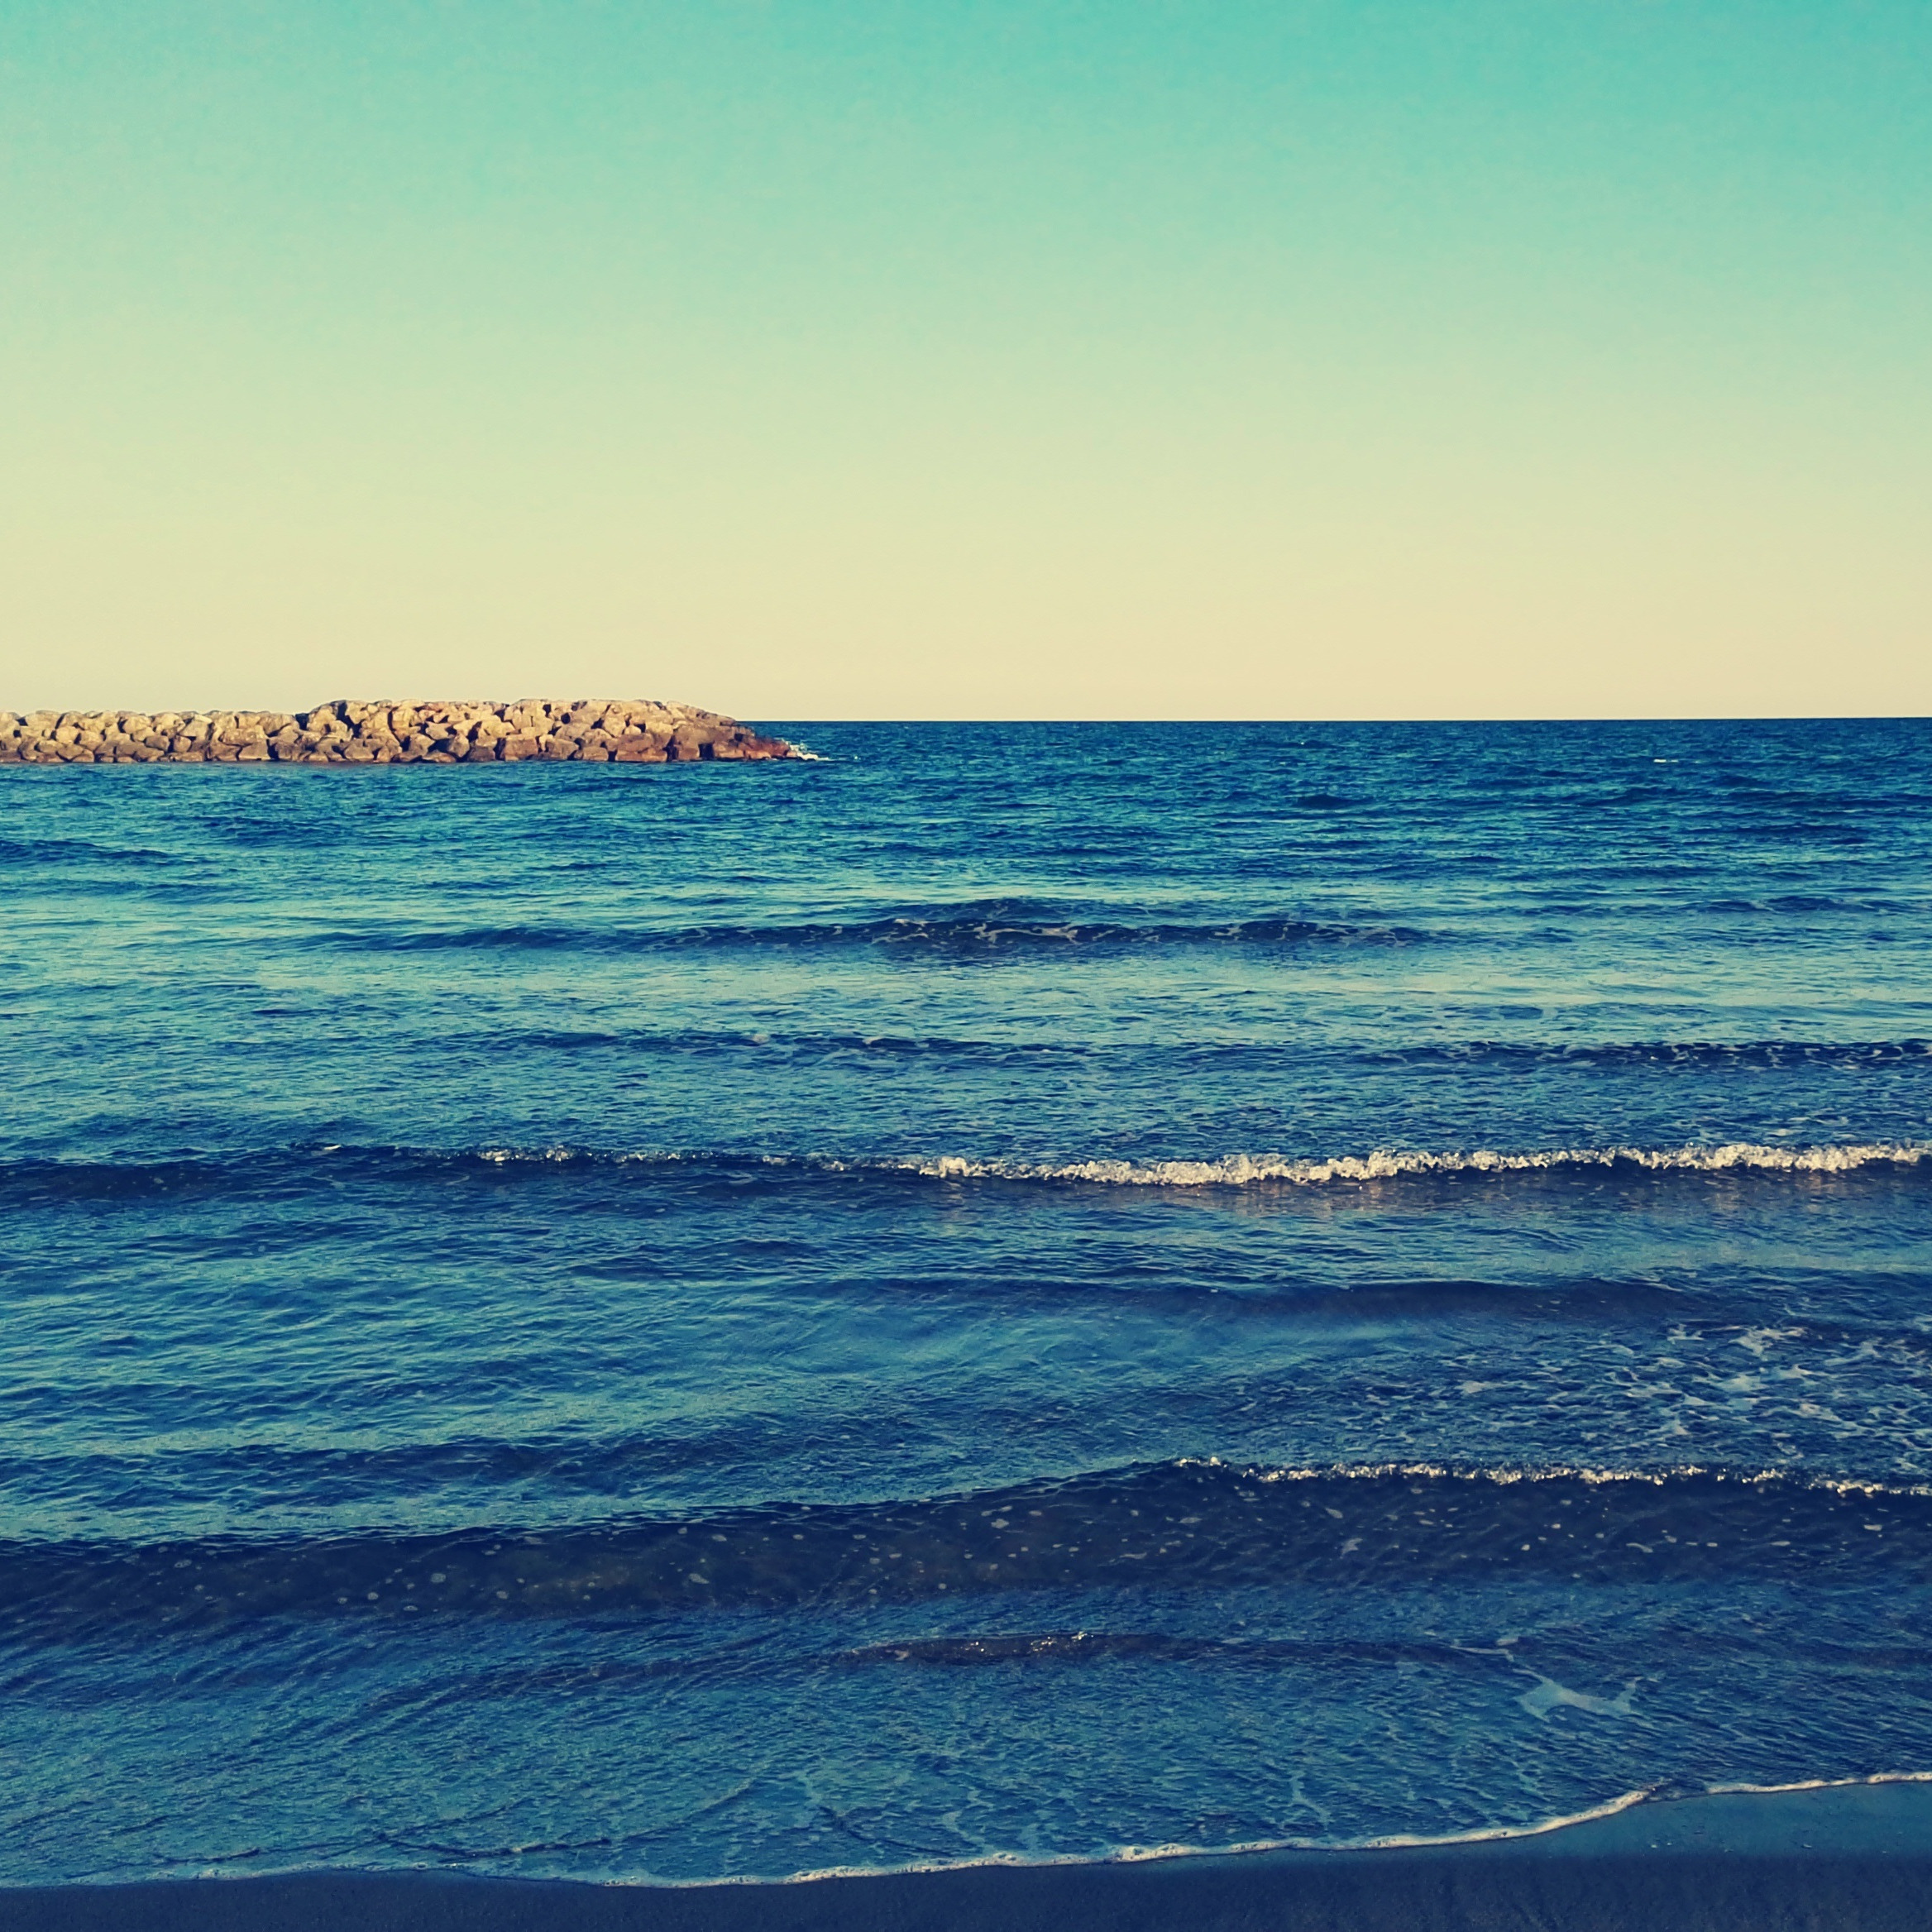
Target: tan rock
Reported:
point(343, 731)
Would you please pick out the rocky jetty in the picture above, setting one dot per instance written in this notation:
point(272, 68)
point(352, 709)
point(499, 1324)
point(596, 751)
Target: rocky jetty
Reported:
point(594, 731)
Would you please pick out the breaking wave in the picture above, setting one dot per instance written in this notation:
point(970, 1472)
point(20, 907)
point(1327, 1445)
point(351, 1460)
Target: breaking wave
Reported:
point(1235, 1170)
point(28, 1181)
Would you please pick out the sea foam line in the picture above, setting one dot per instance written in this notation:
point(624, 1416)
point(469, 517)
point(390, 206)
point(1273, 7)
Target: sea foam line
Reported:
point(1228, 1170)
point(1118, 1855)
point(1235, 1170)
point(1509, 1474)
point(1239, 1170)
point(1821, 1784)
point(1480, 1834)
point(1396, 1841)
point(1147, 1854)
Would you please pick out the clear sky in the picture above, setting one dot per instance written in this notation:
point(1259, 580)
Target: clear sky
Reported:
point(970, 358)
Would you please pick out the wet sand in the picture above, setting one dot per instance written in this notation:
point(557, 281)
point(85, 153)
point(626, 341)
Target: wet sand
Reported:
point(1858, 1856)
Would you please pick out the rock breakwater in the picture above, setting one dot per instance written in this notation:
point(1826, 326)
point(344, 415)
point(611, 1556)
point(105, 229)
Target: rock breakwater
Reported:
point(593, 730)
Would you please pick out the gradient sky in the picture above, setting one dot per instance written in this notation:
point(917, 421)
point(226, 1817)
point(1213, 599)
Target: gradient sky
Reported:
point(1126, 359)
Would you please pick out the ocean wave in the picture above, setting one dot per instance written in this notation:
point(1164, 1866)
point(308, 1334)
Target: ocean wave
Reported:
point(1193, 1524)
point(1240, 1170)
point(83, 851)
point(1819, 1784)
point(1648, 1799)
point(963, 932)
point(1809, 902)
point(1155, 1854)
point(1260, 1057)
point(27, 1181)
point(1716, 1055)
point(697, 1042)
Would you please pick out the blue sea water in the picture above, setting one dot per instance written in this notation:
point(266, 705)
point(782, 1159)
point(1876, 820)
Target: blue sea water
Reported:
point(1005, 1292)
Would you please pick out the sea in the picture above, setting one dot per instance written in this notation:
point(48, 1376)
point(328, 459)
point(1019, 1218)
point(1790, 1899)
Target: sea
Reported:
point(998, 1293)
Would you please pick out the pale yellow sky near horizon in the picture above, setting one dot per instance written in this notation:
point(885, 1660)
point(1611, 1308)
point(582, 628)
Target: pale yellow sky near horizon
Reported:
point(982, 361)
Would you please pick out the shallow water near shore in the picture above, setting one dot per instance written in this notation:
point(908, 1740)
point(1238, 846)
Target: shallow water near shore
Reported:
point(1010, 1293)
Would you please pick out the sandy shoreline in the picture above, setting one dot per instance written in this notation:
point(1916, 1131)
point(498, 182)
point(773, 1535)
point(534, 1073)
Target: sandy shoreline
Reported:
point(1849, 1856)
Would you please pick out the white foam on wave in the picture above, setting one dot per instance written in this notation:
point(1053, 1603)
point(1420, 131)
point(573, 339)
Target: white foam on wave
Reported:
point(1131, 1854)
point(1144, 1854)
point(1821, 1784)
point(1118, 1855)
point(1125, 1854)
point(1236, 1170)
point(1244, 1170)
point(1507, 1474)
point(1393, 1841)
